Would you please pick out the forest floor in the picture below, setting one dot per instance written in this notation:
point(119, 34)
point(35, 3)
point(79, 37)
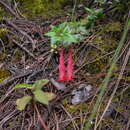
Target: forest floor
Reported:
point(26, 57)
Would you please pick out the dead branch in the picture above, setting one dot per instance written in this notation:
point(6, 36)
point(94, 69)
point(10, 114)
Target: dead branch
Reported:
point(12, 12)
point(23, 48)
point(21, 32)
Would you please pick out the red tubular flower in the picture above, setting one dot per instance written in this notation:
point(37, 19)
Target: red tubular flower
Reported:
point(62, 69)
point(70, 67)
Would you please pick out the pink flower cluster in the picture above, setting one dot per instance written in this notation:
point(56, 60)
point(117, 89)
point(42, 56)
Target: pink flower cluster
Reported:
point(62, 68)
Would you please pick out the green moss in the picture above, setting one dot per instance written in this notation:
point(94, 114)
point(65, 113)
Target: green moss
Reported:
point(98, 65)
point(42, 8)
point(3, 32)
point(106, 40)
point(2, 56)
point(113, 27)
point(105, 43)
point(4, 74)
point(2, 13)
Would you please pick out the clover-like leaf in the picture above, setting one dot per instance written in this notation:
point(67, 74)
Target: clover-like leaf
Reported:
point(22, 102)
point(24, 85)
point(40, 97)
point(40, 83)
point(89, 10)
point(50, 34)
point(66, 33)
point(49, 95)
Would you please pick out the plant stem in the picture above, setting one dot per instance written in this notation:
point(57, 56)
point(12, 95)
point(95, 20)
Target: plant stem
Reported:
point(109, 74)
point(40, 118)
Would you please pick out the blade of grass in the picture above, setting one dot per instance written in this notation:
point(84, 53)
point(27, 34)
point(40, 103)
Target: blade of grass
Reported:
point(116, 85)
point(109, 74)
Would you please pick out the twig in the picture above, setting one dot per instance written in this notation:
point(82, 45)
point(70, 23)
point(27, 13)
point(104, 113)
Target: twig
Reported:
point(34, 74)
point(90, 3)
point(23, 48)
point(128, 124)
point(40, 118)
point(1, 65)
point(94, 60)
point(22, 32)
point(5, 96)
point(73, 121)
point(9, 9)
point(9, 116)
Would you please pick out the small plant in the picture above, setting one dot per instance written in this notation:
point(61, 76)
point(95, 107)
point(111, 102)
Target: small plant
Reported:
point(66, 34)
point(3, 32)
point(38, 94)
point(94, 14)
point(101, 1)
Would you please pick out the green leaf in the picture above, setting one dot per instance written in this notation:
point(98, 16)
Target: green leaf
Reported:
point(101, 1)
point(24, 85)
point(99, 13)
point(55, 40)
point(70, 38)
point(22, 102)
point(50, 34)
point(40, 97)
point(49, 95)
point(66, 33)
point(89, 10)
point(54, 28)
point(40, 83)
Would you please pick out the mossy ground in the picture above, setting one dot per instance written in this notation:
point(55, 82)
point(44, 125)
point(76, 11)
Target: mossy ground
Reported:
point(43, 9)
point(92, 58)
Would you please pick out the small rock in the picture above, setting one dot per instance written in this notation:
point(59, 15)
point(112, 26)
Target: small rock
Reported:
point(58, 85)
point(81, 94)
